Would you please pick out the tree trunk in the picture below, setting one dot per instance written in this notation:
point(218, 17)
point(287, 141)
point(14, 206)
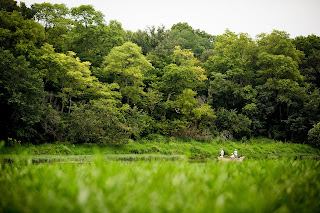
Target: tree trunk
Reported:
point(280, 112)
point(87, 42)
point(87, 49)
point(169, 95)
point(70, 105)
point(62, 107)
point(128, 101)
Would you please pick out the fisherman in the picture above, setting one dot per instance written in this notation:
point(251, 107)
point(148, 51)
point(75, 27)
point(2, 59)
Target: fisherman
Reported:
point(236, 153)
point(222, 153)
point(232, 156)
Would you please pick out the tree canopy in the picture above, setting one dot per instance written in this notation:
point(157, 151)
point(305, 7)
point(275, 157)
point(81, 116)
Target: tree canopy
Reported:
point(67, 74)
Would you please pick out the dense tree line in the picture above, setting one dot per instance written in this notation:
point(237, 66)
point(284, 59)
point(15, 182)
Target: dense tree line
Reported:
point(68, 75)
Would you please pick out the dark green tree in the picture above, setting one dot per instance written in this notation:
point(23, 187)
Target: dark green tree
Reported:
point(148, 39)
point(54, 18)
point(310, 67)
point(21, 95)
point(92, 38)
point(21, 37)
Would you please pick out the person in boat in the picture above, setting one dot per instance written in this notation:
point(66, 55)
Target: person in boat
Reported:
point(235, 153)
point(221, 153)
point(232, 156)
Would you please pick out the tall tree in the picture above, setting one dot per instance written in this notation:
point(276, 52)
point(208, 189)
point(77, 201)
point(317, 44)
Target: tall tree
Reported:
point(50, 15)
point(279, 43)
point(18, 35)
point(92, 38)
point(54, 17)
point(281, 91)
point(8, 5)
point(21, 95)
point(86, 17)
point(71, 78)
point(148, 39)
point(183, 35)
point(126, 66)
point(183, 73)
point(310, 67)
point(230, 68)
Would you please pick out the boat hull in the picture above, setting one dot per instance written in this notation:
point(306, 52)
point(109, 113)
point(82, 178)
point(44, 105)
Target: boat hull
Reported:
point(240, 159)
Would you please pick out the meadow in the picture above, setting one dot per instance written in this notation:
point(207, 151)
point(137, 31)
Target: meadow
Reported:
point(157, 146)
point(159, 174)
point(264, 185)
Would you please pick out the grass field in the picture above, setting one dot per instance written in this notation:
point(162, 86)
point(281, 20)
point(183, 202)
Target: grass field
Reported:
point(160, 145)
point(162, 186)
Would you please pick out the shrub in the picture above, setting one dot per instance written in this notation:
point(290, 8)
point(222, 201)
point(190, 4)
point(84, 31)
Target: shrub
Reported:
point(13, 142)
point(102, 121)
point(314, 135)
point(236, 125)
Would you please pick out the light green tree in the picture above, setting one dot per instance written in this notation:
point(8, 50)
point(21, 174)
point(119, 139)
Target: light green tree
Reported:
point(279, 43)
point(194, 117)
point(126, 66)
point(71, 77)
point(182, 74)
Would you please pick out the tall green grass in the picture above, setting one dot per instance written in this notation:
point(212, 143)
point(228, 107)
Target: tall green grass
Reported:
point(160, 145)
point(162, 186)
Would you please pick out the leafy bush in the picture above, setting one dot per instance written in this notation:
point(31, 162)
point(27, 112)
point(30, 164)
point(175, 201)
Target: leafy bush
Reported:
point(314, 135)
point(236, 125)
point(98, 121)
point(13, 142)
point(102, 121)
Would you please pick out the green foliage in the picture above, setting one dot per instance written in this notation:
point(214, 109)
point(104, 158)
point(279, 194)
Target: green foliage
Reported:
point(314, 135)
point(13, 142)
point(8, 5)
point(92, 39)
point(95, 42)
point(182, 74)
point(238, 125)
point(257, 148)
point(103, 121)
point(18, 35)
point(54, 18)
point(279, 43)
point(183, 35)
point(50, 15)
point(278, 66)
point(86, 15)
point(148, 39)
point(99, 121)
point(126, 66)
point(67, 74)
point(307, 44)
point(231, 70)
point(22, 94)
point(269, 185)
point(310, 67)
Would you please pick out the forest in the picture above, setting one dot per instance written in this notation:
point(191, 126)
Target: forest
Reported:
point(67, 74)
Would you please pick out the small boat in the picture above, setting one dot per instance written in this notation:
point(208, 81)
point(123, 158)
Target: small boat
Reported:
point(239, 159)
